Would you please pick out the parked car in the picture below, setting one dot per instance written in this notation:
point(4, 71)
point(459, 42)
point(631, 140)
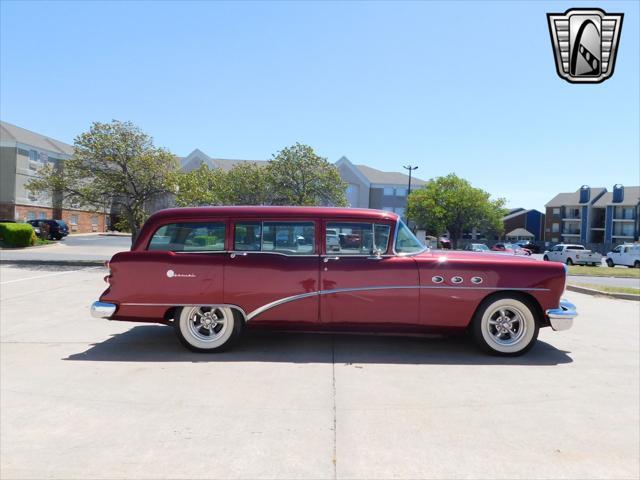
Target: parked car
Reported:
point(58, 229)
point(527, 245)
point(477, 247)
point(333, 240)
point(627, 254)
point(572, 254)
point(210, 293)
point(510, 248)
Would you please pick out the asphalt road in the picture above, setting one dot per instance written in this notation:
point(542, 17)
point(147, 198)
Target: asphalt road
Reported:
point(74, 248)
point(88, 398)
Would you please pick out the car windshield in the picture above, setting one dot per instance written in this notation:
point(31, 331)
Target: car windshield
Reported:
point(406, 242)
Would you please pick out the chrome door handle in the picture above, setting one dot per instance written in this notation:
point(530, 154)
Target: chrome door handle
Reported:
point(241, 254)
point(326, 259)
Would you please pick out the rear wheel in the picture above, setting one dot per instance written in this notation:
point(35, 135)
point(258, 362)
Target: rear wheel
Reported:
point(610, 263)
point(505, 325)
point(208, 328)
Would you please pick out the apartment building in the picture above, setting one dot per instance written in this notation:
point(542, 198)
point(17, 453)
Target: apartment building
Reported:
point(523, 224)
point(368, 187)
point(616, 217)
point(594, 216)
point(22, 153)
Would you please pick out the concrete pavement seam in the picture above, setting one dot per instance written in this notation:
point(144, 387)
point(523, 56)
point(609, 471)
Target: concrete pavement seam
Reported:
point(333, 384)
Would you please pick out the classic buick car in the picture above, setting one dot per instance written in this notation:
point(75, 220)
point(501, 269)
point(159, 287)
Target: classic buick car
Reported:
point(213, 271)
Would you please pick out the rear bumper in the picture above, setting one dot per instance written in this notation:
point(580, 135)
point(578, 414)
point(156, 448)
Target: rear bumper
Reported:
point(562, 318)
point(103, 309)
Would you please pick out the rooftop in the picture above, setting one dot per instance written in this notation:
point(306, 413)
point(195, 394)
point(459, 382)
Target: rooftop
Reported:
point(573, 198)
point(13, 133)
point(631, 198)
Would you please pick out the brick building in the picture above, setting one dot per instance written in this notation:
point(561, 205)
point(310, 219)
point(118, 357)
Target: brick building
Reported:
point(22, 153)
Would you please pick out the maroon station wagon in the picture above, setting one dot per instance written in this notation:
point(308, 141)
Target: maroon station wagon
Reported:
point(214, 271)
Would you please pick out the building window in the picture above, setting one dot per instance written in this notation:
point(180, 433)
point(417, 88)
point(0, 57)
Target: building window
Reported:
point(623, 213)
point(42, 215)
point(31, 215)
point(554, 239)
point(94, 221)
point(623, 230)
point(556, 211)
point(555, 227)
point(388, 192)
point(401, 192)
point(74, 219)
point(33, 155)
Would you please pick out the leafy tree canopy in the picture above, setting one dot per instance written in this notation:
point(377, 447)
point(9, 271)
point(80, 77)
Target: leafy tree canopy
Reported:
point(451, 204)
point(113, 164)
point(295, 176)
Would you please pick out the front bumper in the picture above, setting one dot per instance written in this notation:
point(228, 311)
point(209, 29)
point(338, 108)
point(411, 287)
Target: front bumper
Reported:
point(103, 309)
point(562, 318)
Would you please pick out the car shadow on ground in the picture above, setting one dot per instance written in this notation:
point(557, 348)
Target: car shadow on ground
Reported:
point(157, 343)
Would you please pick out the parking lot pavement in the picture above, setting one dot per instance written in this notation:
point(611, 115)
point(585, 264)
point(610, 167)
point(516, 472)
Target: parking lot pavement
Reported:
point(86, 398)
point(72, 248)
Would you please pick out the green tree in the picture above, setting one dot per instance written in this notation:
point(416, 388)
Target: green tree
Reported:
point(451, 204)
point(248, 185)
point(113, 164)
point(297, 176)
point(201, 186)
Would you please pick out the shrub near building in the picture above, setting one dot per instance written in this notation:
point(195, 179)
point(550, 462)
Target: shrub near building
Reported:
point(17, 235)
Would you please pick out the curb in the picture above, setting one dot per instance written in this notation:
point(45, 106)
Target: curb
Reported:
point(591, 291)
point(66, 263)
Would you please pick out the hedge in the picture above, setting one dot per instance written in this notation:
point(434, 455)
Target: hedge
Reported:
point(17, 234)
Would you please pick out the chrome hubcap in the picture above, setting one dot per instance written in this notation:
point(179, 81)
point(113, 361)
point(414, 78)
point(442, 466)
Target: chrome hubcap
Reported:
point(207, 323)
point(506, 326)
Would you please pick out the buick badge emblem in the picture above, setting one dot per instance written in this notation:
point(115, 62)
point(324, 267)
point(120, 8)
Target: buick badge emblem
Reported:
point(585, 43)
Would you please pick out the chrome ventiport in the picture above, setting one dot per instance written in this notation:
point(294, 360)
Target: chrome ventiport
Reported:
point(437, 279)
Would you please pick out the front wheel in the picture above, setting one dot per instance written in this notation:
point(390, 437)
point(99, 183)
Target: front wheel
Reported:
point(569, 261)
point(610, 263)
point(505, 325)
point(636, 264)
point(208, 328)
point(545, 258)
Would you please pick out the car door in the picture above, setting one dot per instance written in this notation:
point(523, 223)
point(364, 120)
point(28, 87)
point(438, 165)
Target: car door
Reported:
point(615, 255)
point(272, 271)
point(363, 282)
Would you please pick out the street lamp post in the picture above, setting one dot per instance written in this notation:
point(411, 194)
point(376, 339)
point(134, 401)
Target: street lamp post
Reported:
point(411, 169)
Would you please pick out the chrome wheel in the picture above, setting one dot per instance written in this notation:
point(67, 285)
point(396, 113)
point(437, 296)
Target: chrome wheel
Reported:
point(207, 323)
point(207, 327)
point(506, 326)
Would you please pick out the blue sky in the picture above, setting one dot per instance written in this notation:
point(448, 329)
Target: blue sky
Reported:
point(464, 87)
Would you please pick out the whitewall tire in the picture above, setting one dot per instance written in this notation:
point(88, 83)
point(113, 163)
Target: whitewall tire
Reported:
point(208, 328)
point(506, 325)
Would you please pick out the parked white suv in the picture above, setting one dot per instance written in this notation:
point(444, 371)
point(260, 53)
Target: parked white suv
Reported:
point(628, 254)
point(572, 254)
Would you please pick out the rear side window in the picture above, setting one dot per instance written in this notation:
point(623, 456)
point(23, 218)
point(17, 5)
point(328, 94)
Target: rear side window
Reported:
point(189, 237)
point(289, 238)
point(357, 238)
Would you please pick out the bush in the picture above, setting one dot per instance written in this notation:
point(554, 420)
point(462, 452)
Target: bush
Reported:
point(17, 234)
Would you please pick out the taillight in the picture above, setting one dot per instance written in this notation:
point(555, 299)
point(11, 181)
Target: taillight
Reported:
point(107, 277)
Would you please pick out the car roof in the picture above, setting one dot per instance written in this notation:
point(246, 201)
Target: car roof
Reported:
point(272, 211)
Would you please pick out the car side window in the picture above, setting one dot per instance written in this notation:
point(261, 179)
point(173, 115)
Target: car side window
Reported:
point(247, 236)
point(189, 237)
point(356, 238)
point(289, 238)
